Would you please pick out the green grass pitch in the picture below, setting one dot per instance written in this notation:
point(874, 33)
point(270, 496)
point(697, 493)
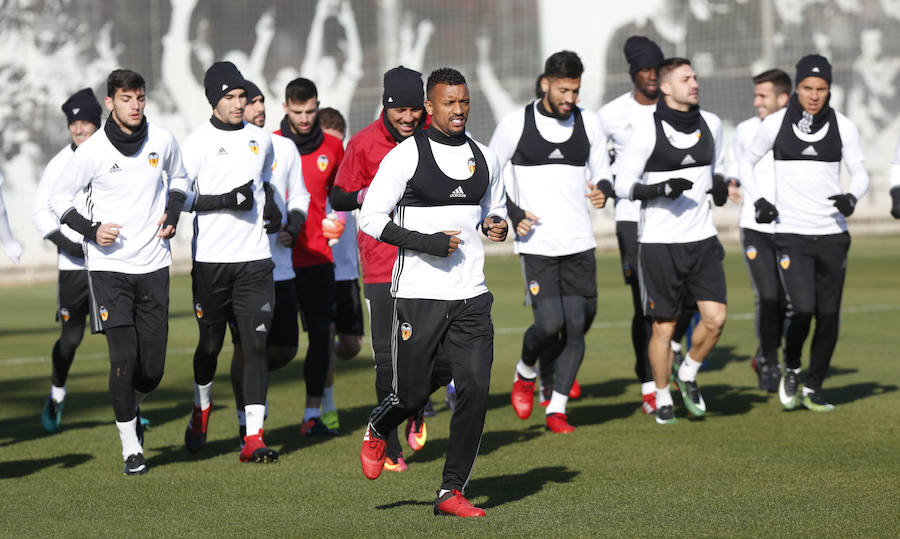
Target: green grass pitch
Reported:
point(748, 469)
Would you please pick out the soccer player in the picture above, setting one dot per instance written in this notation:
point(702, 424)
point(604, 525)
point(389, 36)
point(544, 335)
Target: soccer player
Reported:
point(553, 139)
point(809, 139)
point(403, 99)
point(895, 183)
point(668, 164)
point(320, 156)
point(617, 121)
point(441, 187)
point(230, 163)
point(771, 90)
point(292, 199)
point(124, 170)
point(83, 116)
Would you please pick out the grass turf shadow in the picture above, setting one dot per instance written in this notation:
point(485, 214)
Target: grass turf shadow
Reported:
point(855, 392)
point(21, 468)
point(436, 448)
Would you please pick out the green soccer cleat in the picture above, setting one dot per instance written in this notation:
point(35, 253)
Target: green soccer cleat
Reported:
point(51, 416)
point(693, 400)
point(330, 419)
point(787, 390)
point(816, 402)
point(665, 415)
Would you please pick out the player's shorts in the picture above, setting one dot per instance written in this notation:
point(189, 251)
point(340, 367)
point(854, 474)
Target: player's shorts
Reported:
point(316, 295)
point(348, 315)
point(677, 273)
point(125, 299)
point(222, 290)
point(626, 235)
point(556, 276)
point(73, 297)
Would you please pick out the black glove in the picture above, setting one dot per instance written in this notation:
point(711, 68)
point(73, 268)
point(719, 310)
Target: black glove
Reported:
point(671, 188)
point(271, 213)
point(765, 211)
point(65, 245)
point(844, 203)
point(719, 190)
point(81, 224)
point(174, 207)
point(514, 212)
point(895, 198)
point(484, 229)
point(606, 187)
point(436, 244)
point(239, 198)
point(295, 221)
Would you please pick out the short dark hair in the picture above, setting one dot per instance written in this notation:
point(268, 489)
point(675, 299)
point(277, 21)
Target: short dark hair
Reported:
point(330, 118)
point(538, 91)
point(443, 75)
point(300, 90)
point(781, 81)
point(669, 65)
point(124, 79)
point(563, 65)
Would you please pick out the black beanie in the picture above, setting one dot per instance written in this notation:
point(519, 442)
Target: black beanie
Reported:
point(641, 53)
point(403, 88)
point(252, 91)
point(83, 105)
point(813, 65)
point(221, 78)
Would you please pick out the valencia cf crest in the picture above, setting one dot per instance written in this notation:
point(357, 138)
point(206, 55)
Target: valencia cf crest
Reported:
point(651, 304)
point(64, 314)
point(627, 269)
point(471, 165)
point(534, 287)
point(751, 252)
point(104, 314)
point(322, 162)
point(784, 262)
point(254, 146)
point(274, 164)
point(198, 310)
point(405, 330)
point(153, 159)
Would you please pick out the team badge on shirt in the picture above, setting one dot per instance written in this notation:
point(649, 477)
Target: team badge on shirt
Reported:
point(153, 159)
point(322, 162)
point(534, 287)
point(785, 262)
point(254, 146)
point(198, 310)
point(64, 314)
point(626, 268)
point(751, 252)
point(651, 304)
point(274, 164)
point(104, 314)
point(406, 330)
point(471, 165)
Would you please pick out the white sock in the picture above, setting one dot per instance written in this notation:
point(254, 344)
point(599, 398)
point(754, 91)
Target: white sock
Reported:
point(328, 400)
point(57, 393)
point(688, 369)
point(310, 413)
point(139, 398)
point(255, 414)
point(676, 346)
point(663, 397)
point(202, 395)
point(557, 403)
point(452, 384)
point(242, 418)
point(442, 492)
point(795, 371)
point(648, 388)
point(525, 371)
point(128, 436)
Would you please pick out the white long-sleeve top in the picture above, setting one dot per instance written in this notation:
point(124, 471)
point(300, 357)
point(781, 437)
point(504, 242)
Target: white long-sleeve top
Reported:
point(764, 172)
point(290, 195)
point(130, 191)
point(420, 275)
point(802, 187)
point(687, 218)
point(554, 192)
point(617, 123)
point(219, 161)
point(45, 221)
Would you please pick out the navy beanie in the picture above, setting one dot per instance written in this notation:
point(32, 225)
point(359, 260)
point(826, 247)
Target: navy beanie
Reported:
point(83, 105)
point(221, 78)
point(403, 88)
point(252, 91)
point(641, 53)
point(813, 65)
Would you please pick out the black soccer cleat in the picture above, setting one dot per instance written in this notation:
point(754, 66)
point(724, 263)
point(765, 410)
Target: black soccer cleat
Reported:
point(665, 415)
point(135, 465)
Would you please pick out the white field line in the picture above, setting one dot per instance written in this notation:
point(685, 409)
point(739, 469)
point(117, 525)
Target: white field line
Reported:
point(858, 309)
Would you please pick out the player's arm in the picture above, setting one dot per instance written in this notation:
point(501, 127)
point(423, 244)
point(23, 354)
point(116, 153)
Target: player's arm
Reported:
point(719, 189)
point(762, 142)
point(348, 191)
point(80, 172)
point(629, 180)
point(45, 222)
point(271, 213)
point(386, 189)
point(179, 186)
point(600, 187)
point(503, 144)
point(852, 155)
point(895, 183)
point(494, 203)
point(298, 200)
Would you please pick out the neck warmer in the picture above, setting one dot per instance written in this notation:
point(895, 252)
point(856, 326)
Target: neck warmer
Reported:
point(442, 138)
point(684, 121)
point(306, 144)
point(805, 121)
point(125, 143)
point(398, 138)
point(219, 124)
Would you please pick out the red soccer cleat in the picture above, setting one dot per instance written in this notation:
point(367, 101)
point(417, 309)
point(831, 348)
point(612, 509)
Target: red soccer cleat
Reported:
point(648, 406)
point(416, 432)
point(522, 397)
point(372, 456)
point(455, 504)
point(575, 390)
point(195, 435)
point(255, 449)
point(557, 423)
point(399, 466)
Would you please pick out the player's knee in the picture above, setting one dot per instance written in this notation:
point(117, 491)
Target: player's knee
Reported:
point(549, 325)
point(210, 342)
point(71, 337)
point(279, 356)
point(348, 346)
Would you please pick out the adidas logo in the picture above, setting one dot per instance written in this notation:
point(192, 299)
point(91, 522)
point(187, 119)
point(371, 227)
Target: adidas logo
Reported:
point(390, 99)
point(458, 193)
point(261, 328)
point(115, 168)
point(221, 151)
point(556, 154)
point(240, 199)
point(816, 69)
point(265, 308)
point(224, 86)
point(76, 111)
point(688, 160)
point(809, 151)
